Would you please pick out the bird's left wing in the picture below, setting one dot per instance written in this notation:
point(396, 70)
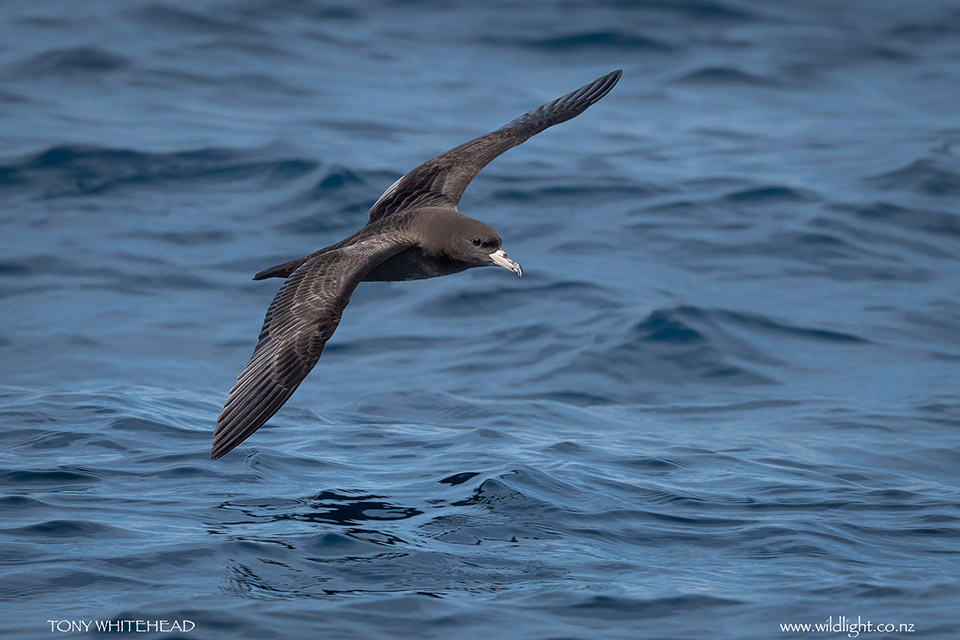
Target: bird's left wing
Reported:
point(300, 320)
point(442, 181)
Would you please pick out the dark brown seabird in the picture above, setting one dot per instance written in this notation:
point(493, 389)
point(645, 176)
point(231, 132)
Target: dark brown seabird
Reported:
point(415, 231)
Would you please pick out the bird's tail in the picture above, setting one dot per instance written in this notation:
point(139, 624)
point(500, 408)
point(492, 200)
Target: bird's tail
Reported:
point(281, 270)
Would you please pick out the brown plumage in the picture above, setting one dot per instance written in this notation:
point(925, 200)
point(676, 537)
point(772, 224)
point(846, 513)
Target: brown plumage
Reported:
point(414, 232)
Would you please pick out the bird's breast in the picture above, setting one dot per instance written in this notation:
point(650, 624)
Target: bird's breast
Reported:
point(413, 264)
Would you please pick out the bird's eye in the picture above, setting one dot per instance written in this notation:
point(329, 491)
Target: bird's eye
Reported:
point(476, 242)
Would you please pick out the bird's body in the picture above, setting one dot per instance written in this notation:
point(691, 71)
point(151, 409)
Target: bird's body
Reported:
point(414, 232)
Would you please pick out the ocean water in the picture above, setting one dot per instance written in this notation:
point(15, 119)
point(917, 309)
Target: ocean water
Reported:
point(722, 398)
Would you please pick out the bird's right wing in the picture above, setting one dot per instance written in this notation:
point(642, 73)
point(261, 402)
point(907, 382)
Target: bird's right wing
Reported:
point(443, 180)
point(300, 320)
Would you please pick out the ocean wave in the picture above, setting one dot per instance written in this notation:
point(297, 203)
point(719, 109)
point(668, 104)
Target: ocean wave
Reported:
point(68, 63)
point(725, 76)
point(926, 176)
point(908, 218)
point(77, 170)
point(598, 40)
point(180, 20)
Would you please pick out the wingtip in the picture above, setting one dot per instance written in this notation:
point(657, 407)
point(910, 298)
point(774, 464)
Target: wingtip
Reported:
point(222, 445)
point(612, 78)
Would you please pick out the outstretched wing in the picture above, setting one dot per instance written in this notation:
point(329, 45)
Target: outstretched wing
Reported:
point(444, 179)
point(300, 320)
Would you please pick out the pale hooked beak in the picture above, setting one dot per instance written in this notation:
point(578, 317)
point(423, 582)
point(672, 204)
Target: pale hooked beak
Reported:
point(501, 260)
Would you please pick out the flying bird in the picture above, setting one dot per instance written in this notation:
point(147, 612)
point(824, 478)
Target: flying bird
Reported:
point(415, 231)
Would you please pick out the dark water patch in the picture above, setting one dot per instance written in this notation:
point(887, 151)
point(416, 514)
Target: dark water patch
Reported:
point(377, 346)
point(10, 269)
point(677, 325)
point(182, 471)
point(20, 504)
point(399, 406)
point(20, 586)
point(180, 20)
point(352, 544)
point(623, 608)
point(137, 285)
point(344, 197)
point(854, 273)
point(9, 176)
point(192, 238)
point(77, 170)
point(698, 521)
point(336, 178)
point(869, 53)
point(878, 239)
point(769, 193)
point(458, 478)
point(944, 26)
point(943, 412)
point(622, 365)
point(57, 265)
point(725, 76)
point(246, 45)
point(50, 21)
point(19, 553)
point(489, 300)
point(9, 97)
point(825, 251)
point(929, 221)
point(249, 87)
point(39, 439)
point(382, 132)
point(664, 325)
point(765, 323)
point(865, 590)
point(340, 186)
point(597, 40)
point(69, 529)
point(941, 322)
point(155, 428)
point(649, 464)
point(703, 10)
point(568, 448)
point(247, 84)
point(68, 63)
point(690, 344)
point(573, 193)
point(495, 494)
point(327, 507)
point(161, 562)
point(550, 488)
point(46, 480)
point(529, 336)
point(300, 9)
point(926, 176)
point(575, 398)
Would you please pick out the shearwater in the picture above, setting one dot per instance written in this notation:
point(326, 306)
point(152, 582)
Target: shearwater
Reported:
point(415, 231)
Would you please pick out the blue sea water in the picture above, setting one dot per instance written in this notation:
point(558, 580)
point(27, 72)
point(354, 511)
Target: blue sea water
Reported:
point(723, 397)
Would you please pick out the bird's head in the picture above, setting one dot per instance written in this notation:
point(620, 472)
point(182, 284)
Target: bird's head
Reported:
point(463, 239)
